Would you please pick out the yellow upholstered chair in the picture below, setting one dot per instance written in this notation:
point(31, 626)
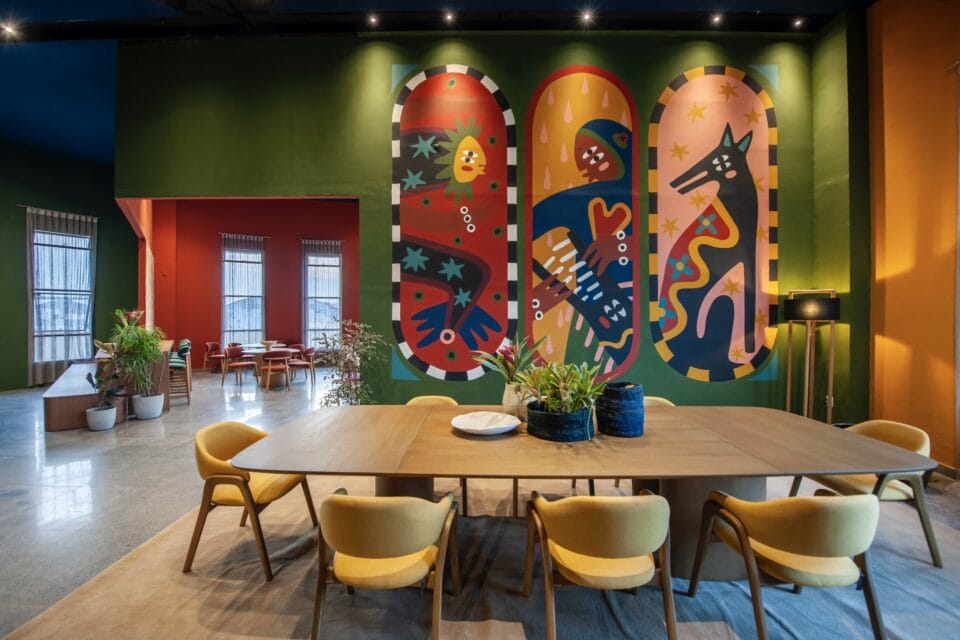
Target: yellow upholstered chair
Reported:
point(893, 486)
point(602, 543)
point(386, 543)
point(226, 485)
point(805, 541)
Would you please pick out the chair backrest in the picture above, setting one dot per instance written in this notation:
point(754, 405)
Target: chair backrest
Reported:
point(432, 400)
point(233, 352)
point(606, 526)
point(308, 352)
point(234, 344)
point(824, 526)
point(274, 356)
point(656, 401)
point(212, 347)
point(216, 444)
point(369, 527)
point(898, 434)
point(296, 347)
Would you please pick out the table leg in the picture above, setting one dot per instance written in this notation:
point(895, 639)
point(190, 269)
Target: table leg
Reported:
point(418, 487)
point(686, 498)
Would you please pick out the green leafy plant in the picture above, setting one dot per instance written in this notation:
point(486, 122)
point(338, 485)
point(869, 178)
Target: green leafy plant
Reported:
point(563, 387)
point(348, 354)
point(105, 380)
point(510, 359)
point(135, 349)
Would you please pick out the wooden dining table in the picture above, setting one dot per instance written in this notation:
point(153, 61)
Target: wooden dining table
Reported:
point(689, 450)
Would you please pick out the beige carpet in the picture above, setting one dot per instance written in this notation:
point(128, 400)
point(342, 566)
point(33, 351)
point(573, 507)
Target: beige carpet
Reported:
point(145, 594)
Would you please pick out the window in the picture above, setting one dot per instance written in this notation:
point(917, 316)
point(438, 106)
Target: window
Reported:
point(242, 315)
point(321, 289)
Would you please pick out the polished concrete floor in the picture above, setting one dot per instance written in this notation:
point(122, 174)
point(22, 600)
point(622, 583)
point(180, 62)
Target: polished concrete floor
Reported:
point(74, 502)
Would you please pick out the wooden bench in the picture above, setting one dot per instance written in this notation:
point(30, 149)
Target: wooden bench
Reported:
point(66, 401)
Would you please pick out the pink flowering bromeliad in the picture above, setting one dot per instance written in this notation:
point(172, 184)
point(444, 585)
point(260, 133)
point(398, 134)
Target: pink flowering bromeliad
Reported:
point(510, 359)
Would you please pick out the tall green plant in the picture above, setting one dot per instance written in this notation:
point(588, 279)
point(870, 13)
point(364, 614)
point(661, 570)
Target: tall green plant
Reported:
point(563, 387)
point(348, 354)
point(136, 349)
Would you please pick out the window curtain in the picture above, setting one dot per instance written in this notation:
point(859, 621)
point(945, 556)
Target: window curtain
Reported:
point(321, 289)
point(61, 257)
point(242, 316)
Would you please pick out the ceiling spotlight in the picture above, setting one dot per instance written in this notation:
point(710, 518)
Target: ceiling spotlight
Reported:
point(586, 16)
point(716, 18)
point(372, 19)
point(797, 22)
point(448, 16)
point(8, 29)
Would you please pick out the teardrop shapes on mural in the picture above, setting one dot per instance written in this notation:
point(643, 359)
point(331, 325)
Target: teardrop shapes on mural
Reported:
point(713, 283)
point(582, 240)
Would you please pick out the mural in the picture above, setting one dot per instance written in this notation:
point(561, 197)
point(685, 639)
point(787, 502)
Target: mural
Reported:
point(581, 234)
point(454, 220)
point(713, 224)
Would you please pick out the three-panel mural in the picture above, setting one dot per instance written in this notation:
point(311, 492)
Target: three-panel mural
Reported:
point(711, 222)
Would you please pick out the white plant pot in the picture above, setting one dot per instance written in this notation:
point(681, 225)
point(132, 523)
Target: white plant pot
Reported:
point(148, 407)
point(101, 419)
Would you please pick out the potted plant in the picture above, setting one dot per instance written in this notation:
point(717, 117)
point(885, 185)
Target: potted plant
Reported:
point(347, 355)
point(104, 415)
point(511, 359)
point(136, 350)
point(564, 398)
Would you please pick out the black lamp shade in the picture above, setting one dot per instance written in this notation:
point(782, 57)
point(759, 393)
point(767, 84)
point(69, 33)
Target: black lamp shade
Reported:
point(815, 309)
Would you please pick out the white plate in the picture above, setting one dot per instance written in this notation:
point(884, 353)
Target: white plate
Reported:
point(485, 423)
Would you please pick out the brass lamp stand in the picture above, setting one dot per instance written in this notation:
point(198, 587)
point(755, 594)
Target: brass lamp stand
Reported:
point(811, 307)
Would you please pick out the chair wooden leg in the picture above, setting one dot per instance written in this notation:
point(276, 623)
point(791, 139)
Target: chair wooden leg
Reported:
point(797, 588)
point(548, 598)
point(753, 574)
point(454, 552)
point(873, 607)
point(198, 527)
point(920, 502)
point(266, 385)
point(706, 525)
point(257, 532)
point(795, 487)
point(437, 606)
point(666, 586)
point(616, 483)
point(516, 497)
point(573, 483)
point(309, 498)
point(243, 518)
point(528, 557)
point(321, 592)
point(463, 495)
point(592, 486)
point(223, 374)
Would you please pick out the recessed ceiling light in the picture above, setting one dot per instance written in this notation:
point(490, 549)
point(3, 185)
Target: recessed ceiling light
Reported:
point(586, 16)
point(798, 22)
point(448, 16)
point(9, 29)
point(372, 19)
point(716, 18)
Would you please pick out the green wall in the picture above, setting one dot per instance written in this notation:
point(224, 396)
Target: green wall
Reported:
point(311, 116)
point(51, 182)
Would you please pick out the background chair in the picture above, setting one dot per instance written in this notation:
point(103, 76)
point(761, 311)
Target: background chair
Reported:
point(235, 361)
point(275, 363)
point(806, 541)
point(387, 543)
point(600, 543)
point(225, 485)
point(893, 486)
point(181, 371)
point(213, 353)
point(306, 362)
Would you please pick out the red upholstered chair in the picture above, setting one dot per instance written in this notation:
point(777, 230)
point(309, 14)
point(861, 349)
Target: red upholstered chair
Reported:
point(306, 362)
point(235, 361)
point(297, 349)
point(275, 363)
point(213, 353)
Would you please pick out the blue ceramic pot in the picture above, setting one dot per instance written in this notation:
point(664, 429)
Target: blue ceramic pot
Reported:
point(560, 427)
point(620, 410)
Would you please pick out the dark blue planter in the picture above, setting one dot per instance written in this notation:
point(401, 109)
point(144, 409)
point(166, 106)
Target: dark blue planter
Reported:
point(560, 427)
point(620, 410)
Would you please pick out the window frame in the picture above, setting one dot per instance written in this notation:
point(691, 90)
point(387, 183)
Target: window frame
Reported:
point(224, 296)
point(323, 249)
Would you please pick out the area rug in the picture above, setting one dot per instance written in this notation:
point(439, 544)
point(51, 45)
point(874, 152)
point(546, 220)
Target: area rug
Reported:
point(145, 594)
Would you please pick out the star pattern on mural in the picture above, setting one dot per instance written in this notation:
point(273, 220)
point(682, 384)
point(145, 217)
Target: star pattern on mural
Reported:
point(762, 233)
point(753, 117)
point(729, 91)
point(678, 151)
point(731, 286)
point(758, 182)
point(737, 354)
point(462, 298)
point(696, 111)
point(415, 260)
point(760, 319)
point(698, 199)
point(413, 180)
point(424, 147)
point(669, 227)
point(451, 269)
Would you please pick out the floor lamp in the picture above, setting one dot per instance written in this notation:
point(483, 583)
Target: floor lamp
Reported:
point(811, 307)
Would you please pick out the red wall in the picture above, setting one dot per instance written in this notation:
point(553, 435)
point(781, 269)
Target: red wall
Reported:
point(188, 270)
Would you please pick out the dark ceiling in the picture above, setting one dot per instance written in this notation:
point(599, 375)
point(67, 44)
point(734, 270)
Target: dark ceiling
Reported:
point(59, 83)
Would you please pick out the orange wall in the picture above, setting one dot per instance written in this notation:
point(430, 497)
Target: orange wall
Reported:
point(913, 149)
